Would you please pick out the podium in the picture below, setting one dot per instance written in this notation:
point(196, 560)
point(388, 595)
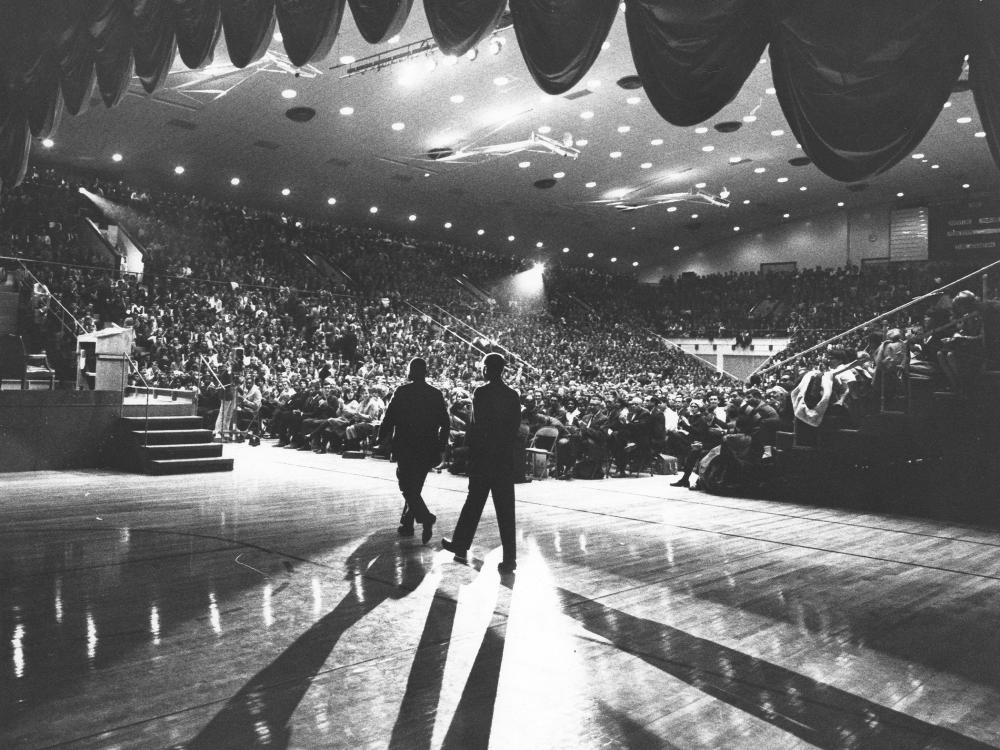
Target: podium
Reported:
point(102, 359)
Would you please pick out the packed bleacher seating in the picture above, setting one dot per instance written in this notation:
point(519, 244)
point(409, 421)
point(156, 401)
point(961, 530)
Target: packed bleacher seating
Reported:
point(303, 328)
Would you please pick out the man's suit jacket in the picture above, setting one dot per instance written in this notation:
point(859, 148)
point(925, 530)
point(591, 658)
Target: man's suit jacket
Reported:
point(417, 422)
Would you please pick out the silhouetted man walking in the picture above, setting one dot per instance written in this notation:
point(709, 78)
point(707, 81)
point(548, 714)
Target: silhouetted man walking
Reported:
point(417, 422)
point(491, 437)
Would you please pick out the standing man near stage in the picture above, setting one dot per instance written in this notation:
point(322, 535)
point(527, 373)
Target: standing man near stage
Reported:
point(417, 423)
point(492, 439)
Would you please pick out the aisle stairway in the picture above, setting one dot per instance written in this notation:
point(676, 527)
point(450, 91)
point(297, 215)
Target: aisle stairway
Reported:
point(167, 445)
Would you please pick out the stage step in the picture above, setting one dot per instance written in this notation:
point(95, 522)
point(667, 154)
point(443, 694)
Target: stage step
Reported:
point(188, 465)
point(163, 423)
point(171, 437)
point(182, 450)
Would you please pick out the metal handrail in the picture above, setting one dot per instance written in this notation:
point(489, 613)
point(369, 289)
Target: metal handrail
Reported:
point(882, 316)
point(520, 359)
point(444, 327)
point(52, 298)
point(701, 361)
point(145, 423)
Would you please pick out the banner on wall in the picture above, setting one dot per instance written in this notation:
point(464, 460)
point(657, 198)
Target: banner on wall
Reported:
point(965, 230)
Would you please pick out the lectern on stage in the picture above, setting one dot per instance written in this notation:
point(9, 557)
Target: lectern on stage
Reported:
point(102, 359)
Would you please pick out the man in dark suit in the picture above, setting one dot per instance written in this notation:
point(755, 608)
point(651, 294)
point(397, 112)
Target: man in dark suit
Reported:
point(491, 437)
point(417, 422)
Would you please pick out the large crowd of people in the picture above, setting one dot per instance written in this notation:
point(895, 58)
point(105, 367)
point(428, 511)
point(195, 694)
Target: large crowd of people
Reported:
point(303, 328)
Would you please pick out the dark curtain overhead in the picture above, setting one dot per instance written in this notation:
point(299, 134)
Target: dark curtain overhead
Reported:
point(309, 27)
point(560, 39)
point(249, 26)
point(862, 83)
point(197, 24)
point(459, 25)
point(377, 20)
point(111, 40)
point(693, 57)
point(153, 42)
point(983, 31)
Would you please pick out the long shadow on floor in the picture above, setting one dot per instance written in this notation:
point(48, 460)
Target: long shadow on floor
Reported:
point(818, 713)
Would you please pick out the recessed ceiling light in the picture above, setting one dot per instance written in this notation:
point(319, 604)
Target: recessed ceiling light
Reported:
point(671, 209)
point(966, 186)
point(524, 164)
point(760, 170)
point(289, 94)
point(510, 238)
point(785, 216)
point(331, 201)
point(178, 169)
point(582, 142)
point(116, 157)
point(614, 260)
point(286, 192)
point(615, 154)
point(347, 110)
point(373, 210)
point(235, 181)
point(840, 204)
point(699, 185)
point(347, 59)
point(624, 128)
point(694, 216)
point(746, 201)
point(397, 126)
point(480, 232)
point(770, 90)
point(590, 255)
point(947, 104)
point(559, 175)
point(646, 165)
point(633, 100)
point(676, 248)
point(539, 244)
point(777, 133)
point(935, 166)
point(900, 195)
point(48, 142)
point(457, 99)
point(963, 120)
point(803, 188)
point(565, 249)
point(591, 184)
point(701, 130)
point(412, 217)
point(635, 263)
point(708, 149)
point(981, 134)
point(545, 130)
point(501, 81)
point(735, 159)
point(749, 118)
point(447, 225)
point(736, 229)
point(916, 156)
point(586, 115)
point(656, 142)
point(782, 179)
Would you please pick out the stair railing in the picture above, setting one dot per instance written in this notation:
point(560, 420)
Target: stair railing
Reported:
point(145, 424)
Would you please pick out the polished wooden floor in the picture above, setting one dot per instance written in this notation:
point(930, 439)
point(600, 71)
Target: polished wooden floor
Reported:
point(276, 607)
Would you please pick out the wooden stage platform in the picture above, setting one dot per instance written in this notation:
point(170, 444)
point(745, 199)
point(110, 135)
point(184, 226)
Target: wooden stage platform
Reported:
point(275, 607)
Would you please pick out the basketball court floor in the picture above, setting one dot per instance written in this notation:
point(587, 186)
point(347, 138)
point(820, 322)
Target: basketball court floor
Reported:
point(276, 607)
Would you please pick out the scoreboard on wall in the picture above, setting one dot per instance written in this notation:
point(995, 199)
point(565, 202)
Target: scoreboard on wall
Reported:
point(965, 230)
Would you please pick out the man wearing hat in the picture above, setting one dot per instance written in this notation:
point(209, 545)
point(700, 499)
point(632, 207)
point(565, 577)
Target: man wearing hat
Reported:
point(417, 423)
point(492, 439)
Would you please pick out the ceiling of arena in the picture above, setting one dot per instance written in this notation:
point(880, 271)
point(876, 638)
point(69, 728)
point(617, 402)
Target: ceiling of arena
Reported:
point(372, 142)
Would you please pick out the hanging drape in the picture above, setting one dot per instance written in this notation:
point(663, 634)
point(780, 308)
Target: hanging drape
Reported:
point(560, 39)
point(693, 57)
point(378, 20)
point(309, 27)
point(859, 82)
point(459, 25)
point(860, 89)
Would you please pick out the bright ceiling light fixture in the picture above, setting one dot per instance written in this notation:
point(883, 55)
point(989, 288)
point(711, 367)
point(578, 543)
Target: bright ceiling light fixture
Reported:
point(235, 181)
point(447, 225)
point(539, 244)
point(286, 192)
point(656, 142)
point(559, 175)
point(590, 184)
point(347, 111)
point(116, 157)
point(777, 133)
point(524, 164)
point(590, 255)
point(708, 149)
point(565, 249)
point(331, 201)
point(397, 126)
point(646, 165)
point(347, 59)
point(178, 169)
point(701, 130)
point(510, 238)
point(289, 94)
point(48, 142)
point(412, 217)
point(373, 210)
point(480, 232)
point(624, 128)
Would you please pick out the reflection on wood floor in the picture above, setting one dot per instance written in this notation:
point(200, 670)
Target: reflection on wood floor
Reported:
point(276, 607)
